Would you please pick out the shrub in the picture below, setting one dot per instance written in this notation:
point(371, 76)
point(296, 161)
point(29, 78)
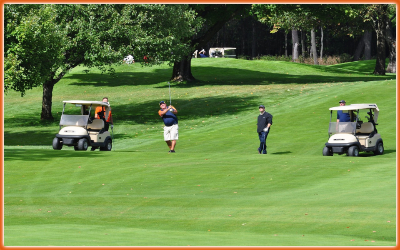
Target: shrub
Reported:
point(345, 58)
point(326, 60)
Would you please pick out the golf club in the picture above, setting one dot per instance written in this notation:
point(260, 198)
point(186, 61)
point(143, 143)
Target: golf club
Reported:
point(169, 86)
point(112, 137)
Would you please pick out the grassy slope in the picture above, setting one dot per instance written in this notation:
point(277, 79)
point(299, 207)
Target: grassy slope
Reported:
point(216, 190)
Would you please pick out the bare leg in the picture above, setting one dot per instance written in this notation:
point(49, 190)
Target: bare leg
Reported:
point(173, 143)
point(169, 144)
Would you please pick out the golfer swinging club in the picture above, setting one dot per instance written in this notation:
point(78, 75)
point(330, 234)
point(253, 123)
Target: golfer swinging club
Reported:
point(168, 114)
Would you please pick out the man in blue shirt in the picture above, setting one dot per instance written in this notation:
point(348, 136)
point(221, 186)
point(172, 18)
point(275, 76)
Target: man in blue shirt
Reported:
point(343, 116)
point(168, 114)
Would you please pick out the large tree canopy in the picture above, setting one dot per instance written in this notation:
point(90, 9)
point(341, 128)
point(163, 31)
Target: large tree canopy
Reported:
point(213, 17)
point(43, 42)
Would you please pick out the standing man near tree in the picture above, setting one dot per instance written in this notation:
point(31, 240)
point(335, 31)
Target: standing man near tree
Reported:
point(168, 114)
point(264, 123)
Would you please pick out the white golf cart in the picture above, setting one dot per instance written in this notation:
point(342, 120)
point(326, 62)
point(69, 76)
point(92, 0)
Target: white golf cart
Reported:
point(79, 129)
point(357, 135)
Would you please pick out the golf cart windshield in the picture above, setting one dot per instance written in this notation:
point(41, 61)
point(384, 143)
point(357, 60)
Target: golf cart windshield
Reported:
point(85, 107)
point(342, 127)
point(74, 120)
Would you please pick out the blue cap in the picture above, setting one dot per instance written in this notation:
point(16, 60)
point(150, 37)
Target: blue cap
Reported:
point(162, 102)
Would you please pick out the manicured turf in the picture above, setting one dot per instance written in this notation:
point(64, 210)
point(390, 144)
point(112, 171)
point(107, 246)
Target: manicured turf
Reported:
point(216, 190)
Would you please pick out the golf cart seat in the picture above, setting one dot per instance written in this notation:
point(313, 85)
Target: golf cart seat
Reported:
point(365, 129)
point(97, 125)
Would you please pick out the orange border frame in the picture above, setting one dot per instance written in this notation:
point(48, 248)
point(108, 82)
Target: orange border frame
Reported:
point(397, 2)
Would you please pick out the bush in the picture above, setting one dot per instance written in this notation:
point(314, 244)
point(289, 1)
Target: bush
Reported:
point(326, 60)
point(345, 58)
point(275, 58)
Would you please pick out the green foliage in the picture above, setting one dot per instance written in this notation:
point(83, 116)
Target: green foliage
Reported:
point(276, 58)
point(307, 16)
point(345, 58)
point(35, 47)
point(43, 42)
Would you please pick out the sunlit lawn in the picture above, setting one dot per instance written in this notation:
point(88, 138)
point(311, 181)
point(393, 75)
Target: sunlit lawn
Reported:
point(216, 190)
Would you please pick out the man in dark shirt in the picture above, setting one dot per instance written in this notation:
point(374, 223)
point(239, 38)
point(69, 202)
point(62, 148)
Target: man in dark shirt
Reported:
point(264, 123)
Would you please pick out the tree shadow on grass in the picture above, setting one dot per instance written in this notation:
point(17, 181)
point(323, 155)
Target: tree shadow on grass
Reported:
point(223, 76)
point(145, 113)
point(188, 109)
point(38, 137)
point(29, 137)
point(120, 78)
point(42, 155)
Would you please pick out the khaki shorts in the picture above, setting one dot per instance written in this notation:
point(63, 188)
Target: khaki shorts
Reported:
point(171, 133)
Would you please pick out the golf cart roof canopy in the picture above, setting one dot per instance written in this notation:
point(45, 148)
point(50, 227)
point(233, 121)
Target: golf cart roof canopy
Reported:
point(88, 103)
point(374, 108)
point(356, 107)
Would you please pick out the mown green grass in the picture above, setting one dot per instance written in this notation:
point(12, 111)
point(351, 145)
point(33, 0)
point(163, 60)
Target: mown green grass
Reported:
point(216, 190)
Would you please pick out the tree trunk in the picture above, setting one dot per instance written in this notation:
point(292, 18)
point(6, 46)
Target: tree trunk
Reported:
point(303, 47)
point(367, 44)
point(182, 70)
point(295, 41)
point(379, 23)
point(359, 49)
point(314, 47)
point(380, 54)
point(322, 43)
point(286, 54)
point(364, 45)
point(48, 86)
point(253, 42)
point(391, 42)
point(47, 101)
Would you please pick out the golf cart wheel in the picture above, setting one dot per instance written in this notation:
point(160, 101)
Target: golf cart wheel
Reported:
point(379, 148)
point(107, 145)
point(353, 151)
point(327, 151)
point(83, 144)
point(57, 144)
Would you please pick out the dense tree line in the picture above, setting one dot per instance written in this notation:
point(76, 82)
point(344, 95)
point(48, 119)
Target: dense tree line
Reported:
point(253, 39)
